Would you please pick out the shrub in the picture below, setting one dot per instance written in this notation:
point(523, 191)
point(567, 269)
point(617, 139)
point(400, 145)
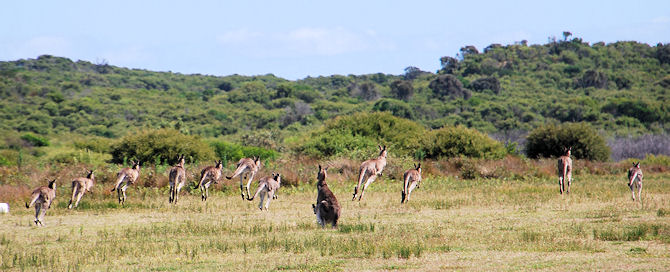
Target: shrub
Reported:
point(35, 140)
point(363, 132)
point(549, 141)
point(449, 86)
point(396, 107)
point(160, 146)
point(461, 141)
point(233, 152)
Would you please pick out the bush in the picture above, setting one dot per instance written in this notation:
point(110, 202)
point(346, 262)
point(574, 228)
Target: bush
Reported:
point(449, 86)
point(461, 141)
point(363, 132)
point(549, 141)
point(396, 107)
point(160, 146)
point(233, 152)
point(35, 140)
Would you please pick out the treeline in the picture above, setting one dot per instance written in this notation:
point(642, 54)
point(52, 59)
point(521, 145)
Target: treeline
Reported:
point(619, 89)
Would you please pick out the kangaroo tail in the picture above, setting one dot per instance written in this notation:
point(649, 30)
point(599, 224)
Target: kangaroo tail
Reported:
point(34, 198)
point(631, 179)
point(258, 191)
point(238, 171)
point(361, 176)
point(74, 193)
point(119, 179)
point(565, 171)
point(406, 185)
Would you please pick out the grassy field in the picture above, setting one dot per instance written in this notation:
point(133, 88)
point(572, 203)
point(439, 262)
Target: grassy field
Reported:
point(449, 224)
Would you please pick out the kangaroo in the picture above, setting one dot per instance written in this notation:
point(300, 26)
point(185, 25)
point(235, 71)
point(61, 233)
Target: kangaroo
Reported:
point(412, 179)
point(327, 209)
point(267, 186)
point(565, 170)
point(208, 175)
point(369, 170)
point(126, 177)
point(177, 179)
point(79, 187)
point(246, 167)
point(42, 197)
point(635, 180)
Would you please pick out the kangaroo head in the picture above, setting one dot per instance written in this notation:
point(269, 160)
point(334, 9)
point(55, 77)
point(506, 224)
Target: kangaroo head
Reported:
point(321, 176)
point(52, 184)
point(257, 161)
point(567, 151)
point(277, 177)
point(136, 165)
point(636, 165)
point(382, 151)
point(90, 174)
point(181, 160)
point(418, 167)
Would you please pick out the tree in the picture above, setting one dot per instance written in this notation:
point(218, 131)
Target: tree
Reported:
point(486, 83)
point(449, 86)
point(566, 34)
point(402, 89)
point(449, 65)
point(469, 50)
point(593, 78)
point(412, 72)
point(367, 91)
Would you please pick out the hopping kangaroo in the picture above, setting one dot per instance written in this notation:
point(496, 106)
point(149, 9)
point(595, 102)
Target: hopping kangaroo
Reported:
point(42, 197)
point(267, 186)
point(412, 179)
point(207, 176)
point(246, 167)
point(565, 170)
point(177, 179)
point(79, 187)
point(369, 171)
point(327, 209)
point(124, 178)
point(635, 180)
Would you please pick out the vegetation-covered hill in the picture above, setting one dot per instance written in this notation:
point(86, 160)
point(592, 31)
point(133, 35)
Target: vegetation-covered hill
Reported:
point(619, 88)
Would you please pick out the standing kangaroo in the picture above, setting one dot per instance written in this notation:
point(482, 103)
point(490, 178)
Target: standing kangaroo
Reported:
point(565, 170)
point(635, 180)
point(124, 178)
point(267, 186)
point(412, 179)
point(246, 167)
point(369, 171)
point(42, 197)
point(208, 175)
point(327, 209)
point(79, 187)
point(177, 179)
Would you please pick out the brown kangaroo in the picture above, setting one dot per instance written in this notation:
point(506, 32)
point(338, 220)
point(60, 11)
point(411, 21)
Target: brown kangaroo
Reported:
point(126, 177)
point(208, 175)
point(42, 197)
point(327, 209)
point(177, 179)
point(565, 170)
point(246, 167)
point(635, 180)
point(369, 171)
point(267, 186)
point(412, 179)
point(79, 187)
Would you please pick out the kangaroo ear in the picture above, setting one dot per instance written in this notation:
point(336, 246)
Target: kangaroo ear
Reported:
point(380, 147)
point(326, 168)
point(319, 168)
point(384, 147)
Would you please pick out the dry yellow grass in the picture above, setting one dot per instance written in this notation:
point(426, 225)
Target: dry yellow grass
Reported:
point(450, 224)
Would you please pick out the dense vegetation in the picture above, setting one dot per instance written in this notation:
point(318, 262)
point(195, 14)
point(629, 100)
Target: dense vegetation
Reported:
point(619, 89)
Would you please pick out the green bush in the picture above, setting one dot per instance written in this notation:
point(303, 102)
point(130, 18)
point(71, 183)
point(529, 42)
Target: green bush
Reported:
point(233, 152)
point(35, 140)
point(364, 131)
point(160, 146)
point(458, 141)
point(549, 141)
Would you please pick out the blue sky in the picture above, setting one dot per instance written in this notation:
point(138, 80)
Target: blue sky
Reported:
point(295, 39)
